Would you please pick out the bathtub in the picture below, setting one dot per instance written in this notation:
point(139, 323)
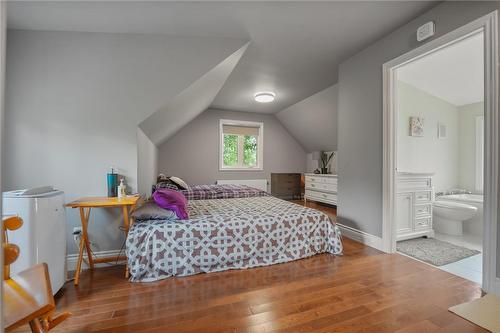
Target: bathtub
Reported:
point(474, 225)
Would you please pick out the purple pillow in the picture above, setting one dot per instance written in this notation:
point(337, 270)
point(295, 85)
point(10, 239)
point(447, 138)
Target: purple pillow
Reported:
point(172, 200)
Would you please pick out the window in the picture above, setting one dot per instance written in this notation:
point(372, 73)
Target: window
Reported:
point(479, 153)
point(241, 145)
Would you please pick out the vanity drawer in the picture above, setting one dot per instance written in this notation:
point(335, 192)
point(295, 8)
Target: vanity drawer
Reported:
point(423, 210)
point(414, 183)
point(423, 197)
point(423, 223)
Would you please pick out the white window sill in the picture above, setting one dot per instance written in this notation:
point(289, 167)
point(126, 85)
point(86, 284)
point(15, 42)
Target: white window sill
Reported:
point(241, 169)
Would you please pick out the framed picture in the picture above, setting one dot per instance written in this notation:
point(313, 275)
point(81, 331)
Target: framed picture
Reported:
point(416, 126)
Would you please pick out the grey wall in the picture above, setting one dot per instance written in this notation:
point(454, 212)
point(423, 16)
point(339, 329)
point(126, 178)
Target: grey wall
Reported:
point(313, 121)
point(192, 153)
point(73, 103)
point(360, 113)
point(147, 162)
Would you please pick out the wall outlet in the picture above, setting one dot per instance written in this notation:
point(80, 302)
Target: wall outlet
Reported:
point(77, 230)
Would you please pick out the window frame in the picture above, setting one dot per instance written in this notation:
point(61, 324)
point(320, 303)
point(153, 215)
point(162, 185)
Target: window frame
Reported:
point(260, 146)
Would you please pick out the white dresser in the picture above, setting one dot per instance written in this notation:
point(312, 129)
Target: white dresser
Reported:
point(414, 205)
point(321, 188)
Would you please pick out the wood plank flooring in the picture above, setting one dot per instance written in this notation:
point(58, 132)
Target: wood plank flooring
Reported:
point(362, 291)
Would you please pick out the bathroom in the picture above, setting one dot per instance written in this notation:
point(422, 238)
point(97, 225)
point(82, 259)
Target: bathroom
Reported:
point(440, 158)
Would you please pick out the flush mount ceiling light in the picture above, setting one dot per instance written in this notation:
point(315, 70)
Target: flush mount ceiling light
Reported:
point(264, 97)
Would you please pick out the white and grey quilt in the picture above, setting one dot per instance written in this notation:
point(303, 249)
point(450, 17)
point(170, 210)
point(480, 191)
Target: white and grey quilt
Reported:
point(223, 234)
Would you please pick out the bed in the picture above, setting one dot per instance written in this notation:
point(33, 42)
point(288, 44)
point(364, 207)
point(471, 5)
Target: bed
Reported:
point(208, 191)
point(222, 191)
point(223, 234)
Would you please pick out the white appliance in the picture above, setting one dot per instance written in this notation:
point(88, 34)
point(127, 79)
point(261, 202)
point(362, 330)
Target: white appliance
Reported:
point(42, 237)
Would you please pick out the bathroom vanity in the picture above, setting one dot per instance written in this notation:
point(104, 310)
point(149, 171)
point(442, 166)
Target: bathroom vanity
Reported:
point(413, 205)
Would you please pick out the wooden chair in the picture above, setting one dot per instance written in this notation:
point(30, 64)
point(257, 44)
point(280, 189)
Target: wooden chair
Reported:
point(27, 295)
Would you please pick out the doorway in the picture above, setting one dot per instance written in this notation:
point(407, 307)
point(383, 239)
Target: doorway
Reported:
point(440, 117)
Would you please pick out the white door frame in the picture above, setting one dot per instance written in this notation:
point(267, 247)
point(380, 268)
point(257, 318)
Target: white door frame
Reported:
point(487, 24)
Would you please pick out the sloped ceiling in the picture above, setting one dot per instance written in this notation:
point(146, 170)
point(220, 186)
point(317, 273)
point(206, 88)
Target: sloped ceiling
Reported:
point(296, 45)
point(313, 121)
point(191, 102)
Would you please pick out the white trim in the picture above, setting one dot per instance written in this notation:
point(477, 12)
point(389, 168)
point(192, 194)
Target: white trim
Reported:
point(488, 25)
point(260, 145)
point(71, 259)
point(496, 287)
point(361, 236)
point(479, 155)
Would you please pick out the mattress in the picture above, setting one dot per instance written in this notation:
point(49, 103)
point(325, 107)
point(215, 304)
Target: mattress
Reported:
point(223, 234)
point(222, 191)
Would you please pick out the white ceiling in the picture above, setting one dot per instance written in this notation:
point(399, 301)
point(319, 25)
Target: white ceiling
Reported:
point(455, 73)
point(295, 47)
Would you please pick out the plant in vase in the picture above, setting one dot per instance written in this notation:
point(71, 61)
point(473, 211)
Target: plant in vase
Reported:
point(324, 159)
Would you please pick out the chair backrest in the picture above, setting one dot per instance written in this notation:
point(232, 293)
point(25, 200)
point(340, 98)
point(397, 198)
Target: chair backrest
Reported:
point(10, 251)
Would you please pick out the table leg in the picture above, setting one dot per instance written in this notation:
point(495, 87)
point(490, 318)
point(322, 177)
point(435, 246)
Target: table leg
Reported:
point(84, 243)
point(79, 262)
point(36, 326)
point(126, 222)
point(85, 235)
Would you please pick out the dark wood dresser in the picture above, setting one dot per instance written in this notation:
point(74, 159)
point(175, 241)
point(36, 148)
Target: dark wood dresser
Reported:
point(286, 185)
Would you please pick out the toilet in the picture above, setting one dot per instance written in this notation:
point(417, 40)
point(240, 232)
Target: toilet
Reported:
point(448, 216)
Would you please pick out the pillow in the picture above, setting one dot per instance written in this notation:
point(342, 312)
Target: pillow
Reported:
point(179, 182)
point(151, 211)
point(167, 184)
point(172, 200)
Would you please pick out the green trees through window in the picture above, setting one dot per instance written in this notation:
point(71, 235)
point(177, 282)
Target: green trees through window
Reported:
point(250, 150)
point(230, 150)
point(233, 144)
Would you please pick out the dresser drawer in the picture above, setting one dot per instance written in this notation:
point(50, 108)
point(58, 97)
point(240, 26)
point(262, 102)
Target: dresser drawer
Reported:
point(313, 179)
point(424, 210)
point(286, 189)
point(321, 196)
point(322, 186)
point(423, 197)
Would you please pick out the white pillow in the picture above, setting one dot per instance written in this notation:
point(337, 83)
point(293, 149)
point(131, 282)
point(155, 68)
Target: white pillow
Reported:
point(179, 182)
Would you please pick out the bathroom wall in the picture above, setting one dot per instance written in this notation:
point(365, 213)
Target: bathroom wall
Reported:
point(467, 143)
point(428, 153)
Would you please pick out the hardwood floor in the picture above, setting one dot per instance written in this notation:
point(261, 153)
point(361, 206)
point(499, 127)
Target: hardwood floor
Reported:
point(362, 291)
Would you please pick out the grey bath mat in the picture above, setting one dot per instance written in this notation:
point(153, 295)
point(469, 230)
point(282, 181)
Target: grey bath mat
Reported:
point(434, 251)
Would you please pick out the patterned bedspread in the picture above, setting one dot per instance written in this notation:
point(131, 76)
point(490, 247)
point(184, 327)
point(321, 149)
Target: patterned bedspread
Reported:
point(229, 234)
point(223, 191)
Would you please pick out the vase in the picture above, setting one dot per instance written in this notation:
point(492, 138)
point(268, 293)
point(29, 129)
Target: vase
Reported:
point(324, 170)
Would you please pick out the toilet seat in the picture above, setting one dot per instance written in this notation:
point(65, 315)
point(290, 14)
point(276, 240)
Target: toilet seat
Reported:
point(453, 205)
point(448, 216)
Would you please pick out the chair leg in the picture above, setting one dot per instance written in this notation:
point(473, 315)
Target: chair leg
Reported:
point(36, 326)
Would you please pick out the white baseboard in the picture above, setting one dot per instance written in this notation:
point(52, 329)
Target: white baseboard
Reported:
point(71, 259)
point(360, 236)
